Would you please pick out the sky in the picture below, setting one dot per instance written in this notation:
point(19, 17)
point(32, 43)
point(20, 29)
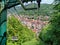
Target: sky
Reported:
point(43, 1)
point(47, 1)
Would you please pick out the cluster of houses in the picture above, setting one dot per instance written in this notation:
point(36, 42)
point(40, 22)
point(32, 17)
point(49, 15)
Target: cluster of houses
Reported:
point(34, 25)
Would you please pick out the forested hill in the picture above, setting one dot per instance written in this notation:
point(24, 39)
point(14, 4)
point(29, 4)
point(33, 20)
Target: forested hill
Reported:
point(47, 9)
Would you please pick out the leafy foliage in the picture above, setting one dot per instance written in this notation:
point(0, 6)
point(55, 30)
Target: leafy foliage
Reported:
point(34, 42)
point(50, 34)
point(15, 28)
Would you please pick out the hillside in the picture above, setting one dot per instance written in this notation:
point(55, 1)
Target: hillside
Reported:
point(17, 33)
point(47, 9)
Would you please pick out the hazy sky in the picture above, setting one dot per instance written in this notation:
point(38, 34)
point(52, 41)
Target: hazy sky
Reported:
point(43, 1)
point(47, 1)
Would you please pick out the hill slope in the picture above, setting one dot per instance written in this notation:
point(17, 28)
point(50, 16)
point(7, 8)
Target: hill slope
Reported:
point(45, 9)
point(16, 29)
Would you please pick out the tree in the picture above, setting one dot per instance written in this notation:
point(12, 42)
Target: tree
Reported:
point(50, 34)
point(15, 28)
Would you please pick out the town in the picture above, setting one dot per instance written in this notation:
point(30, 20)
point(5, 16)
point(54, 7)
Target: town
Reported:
point(35, 25)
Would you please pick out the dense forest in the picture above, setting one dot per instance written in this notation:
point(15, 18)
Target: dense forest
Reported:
point(50, 34)
point(47, 9)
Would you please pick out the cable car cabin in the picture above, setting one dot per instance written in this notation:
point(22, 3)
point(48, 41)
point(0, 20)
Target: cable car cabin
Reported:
point(14, 38)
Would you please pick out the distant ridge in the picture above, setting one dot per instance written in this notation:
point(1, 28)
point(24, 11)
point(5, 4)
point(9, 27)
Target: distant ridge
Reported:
point(46, 8)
